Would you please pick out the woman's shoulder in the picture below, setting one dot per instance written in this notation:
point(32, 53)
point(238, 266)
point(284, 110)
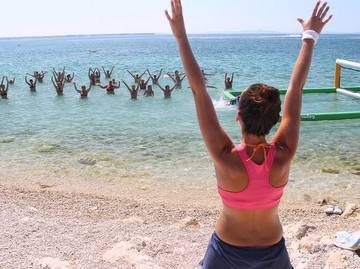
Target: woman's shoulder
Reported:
point(283, 154)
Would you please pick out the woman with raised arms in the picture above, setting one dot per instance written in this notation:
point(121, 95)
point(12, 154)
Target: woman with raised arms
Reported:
point(4, 89)
point(31, 83)
point(84, 92)
point(155, 77)
point(108, 72)
point(133, 90)
point(251, 177)
point(110, 87)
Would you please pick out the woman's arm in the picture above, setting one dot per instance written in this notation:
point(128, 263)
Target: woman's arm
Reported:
point(127, 86)
point(170, 76)
point(217, 141)
point(147, 70)
point(143, 74)
point(288, 133)
point(54, 83)
point(161, 88)
point(131, 74)
point(75, 87)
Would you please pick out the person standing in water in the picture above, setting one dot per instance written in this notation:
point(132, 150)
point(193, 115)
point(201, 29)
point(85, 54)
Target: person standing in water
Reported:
point(31, 83)
point(4, 89)
point(167, 90)
point(59, 75)
point(12, 81)
point(97, 74)
point(177, 79)
point(59, 86)
point(107, 72)
point(110, 87)
point(251, 177)
point(84, 92)
point(92, 77)
point(115, 83)
point(228, 81)
point(149, 91)
point(69, 78)
point(143, 83)
point(41, 76)
point(134, 90)
point(136, 76)
point(155, 78)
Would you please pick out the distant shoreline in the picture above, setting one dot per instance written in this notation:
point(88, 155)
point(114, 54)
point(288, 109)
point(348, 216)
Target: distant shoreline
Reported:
point(162, 34)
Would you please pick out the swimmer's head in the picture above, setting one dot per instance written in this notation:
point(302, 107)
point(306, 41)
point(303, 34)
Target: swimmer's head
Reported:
point(133, 87)
point(155, 76)
point(149, 87)
point(83, 88)
point(142, 81)
point(167, 87)
point(228, 79)
point(176, 72)
point(137, 75)
point(110, 82)
point(259, 108)
point(31, 81)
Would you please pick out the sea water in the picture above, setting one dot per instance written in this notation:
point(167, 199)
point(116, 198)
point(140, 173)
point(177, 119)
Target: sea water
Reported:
point(113, 138)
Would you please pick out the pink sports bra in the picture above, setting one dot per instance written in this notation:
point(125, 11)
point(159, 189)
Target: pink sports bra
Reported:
point(259, 193)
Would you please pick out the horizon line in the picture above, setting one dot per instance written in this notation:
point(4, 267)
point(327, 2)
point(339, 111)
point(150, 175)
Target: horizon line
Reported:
point(168, 33)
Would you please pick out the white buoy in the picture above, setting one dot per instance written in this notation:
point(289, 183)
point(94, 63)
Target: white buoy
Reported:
point(348, 93)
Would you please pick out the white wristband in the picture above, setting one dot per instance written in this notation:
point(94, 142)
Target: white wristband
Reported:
point(311, 34)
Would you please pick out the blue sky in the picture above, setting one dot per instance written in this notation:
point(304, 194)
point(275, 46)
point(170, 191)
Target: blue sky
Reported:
point(48, 17)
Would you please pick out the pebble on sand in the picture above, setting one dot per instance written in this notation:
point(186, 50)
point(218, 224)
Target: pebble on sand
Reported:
point(188, 222)
point(54, 263)
point(330, 171)
point(349, 210)
point(355, 171)
point(133, 220)
point(302, 231)
point(126, 251)
point(336, 260)
point(314, 243)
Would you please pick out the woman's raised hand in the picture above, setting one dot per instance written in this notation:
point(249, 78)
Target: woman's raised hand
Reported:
point(318, 18)
point(177, 20)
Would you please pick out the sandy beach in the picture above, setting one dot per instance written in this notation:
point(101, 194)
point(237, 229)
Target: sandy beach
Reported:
point(47, 227)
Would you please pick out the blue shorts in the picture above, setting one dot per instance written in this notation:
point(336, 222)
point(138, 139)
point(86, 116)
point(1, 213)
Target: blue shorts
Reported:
point(220, 255)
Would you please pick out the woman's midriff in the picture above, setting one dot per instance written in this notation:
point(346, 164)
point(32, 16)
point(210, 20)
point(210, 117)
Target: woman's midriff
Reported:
point(256, 228)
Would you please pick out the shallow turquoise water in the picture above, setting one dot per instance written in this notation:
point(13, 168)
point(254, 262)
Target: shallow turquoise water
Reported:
point(152, 138)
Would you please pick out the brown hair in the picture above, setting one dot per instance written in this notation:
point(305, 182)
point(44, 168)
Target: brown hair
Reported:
point(259, 107)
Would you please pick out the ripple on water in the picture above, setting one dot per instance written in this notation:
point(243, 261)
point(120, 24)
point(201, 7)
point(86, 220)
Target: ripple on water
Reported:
point(7, 140)
point(48, 148)
point(87, 161)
